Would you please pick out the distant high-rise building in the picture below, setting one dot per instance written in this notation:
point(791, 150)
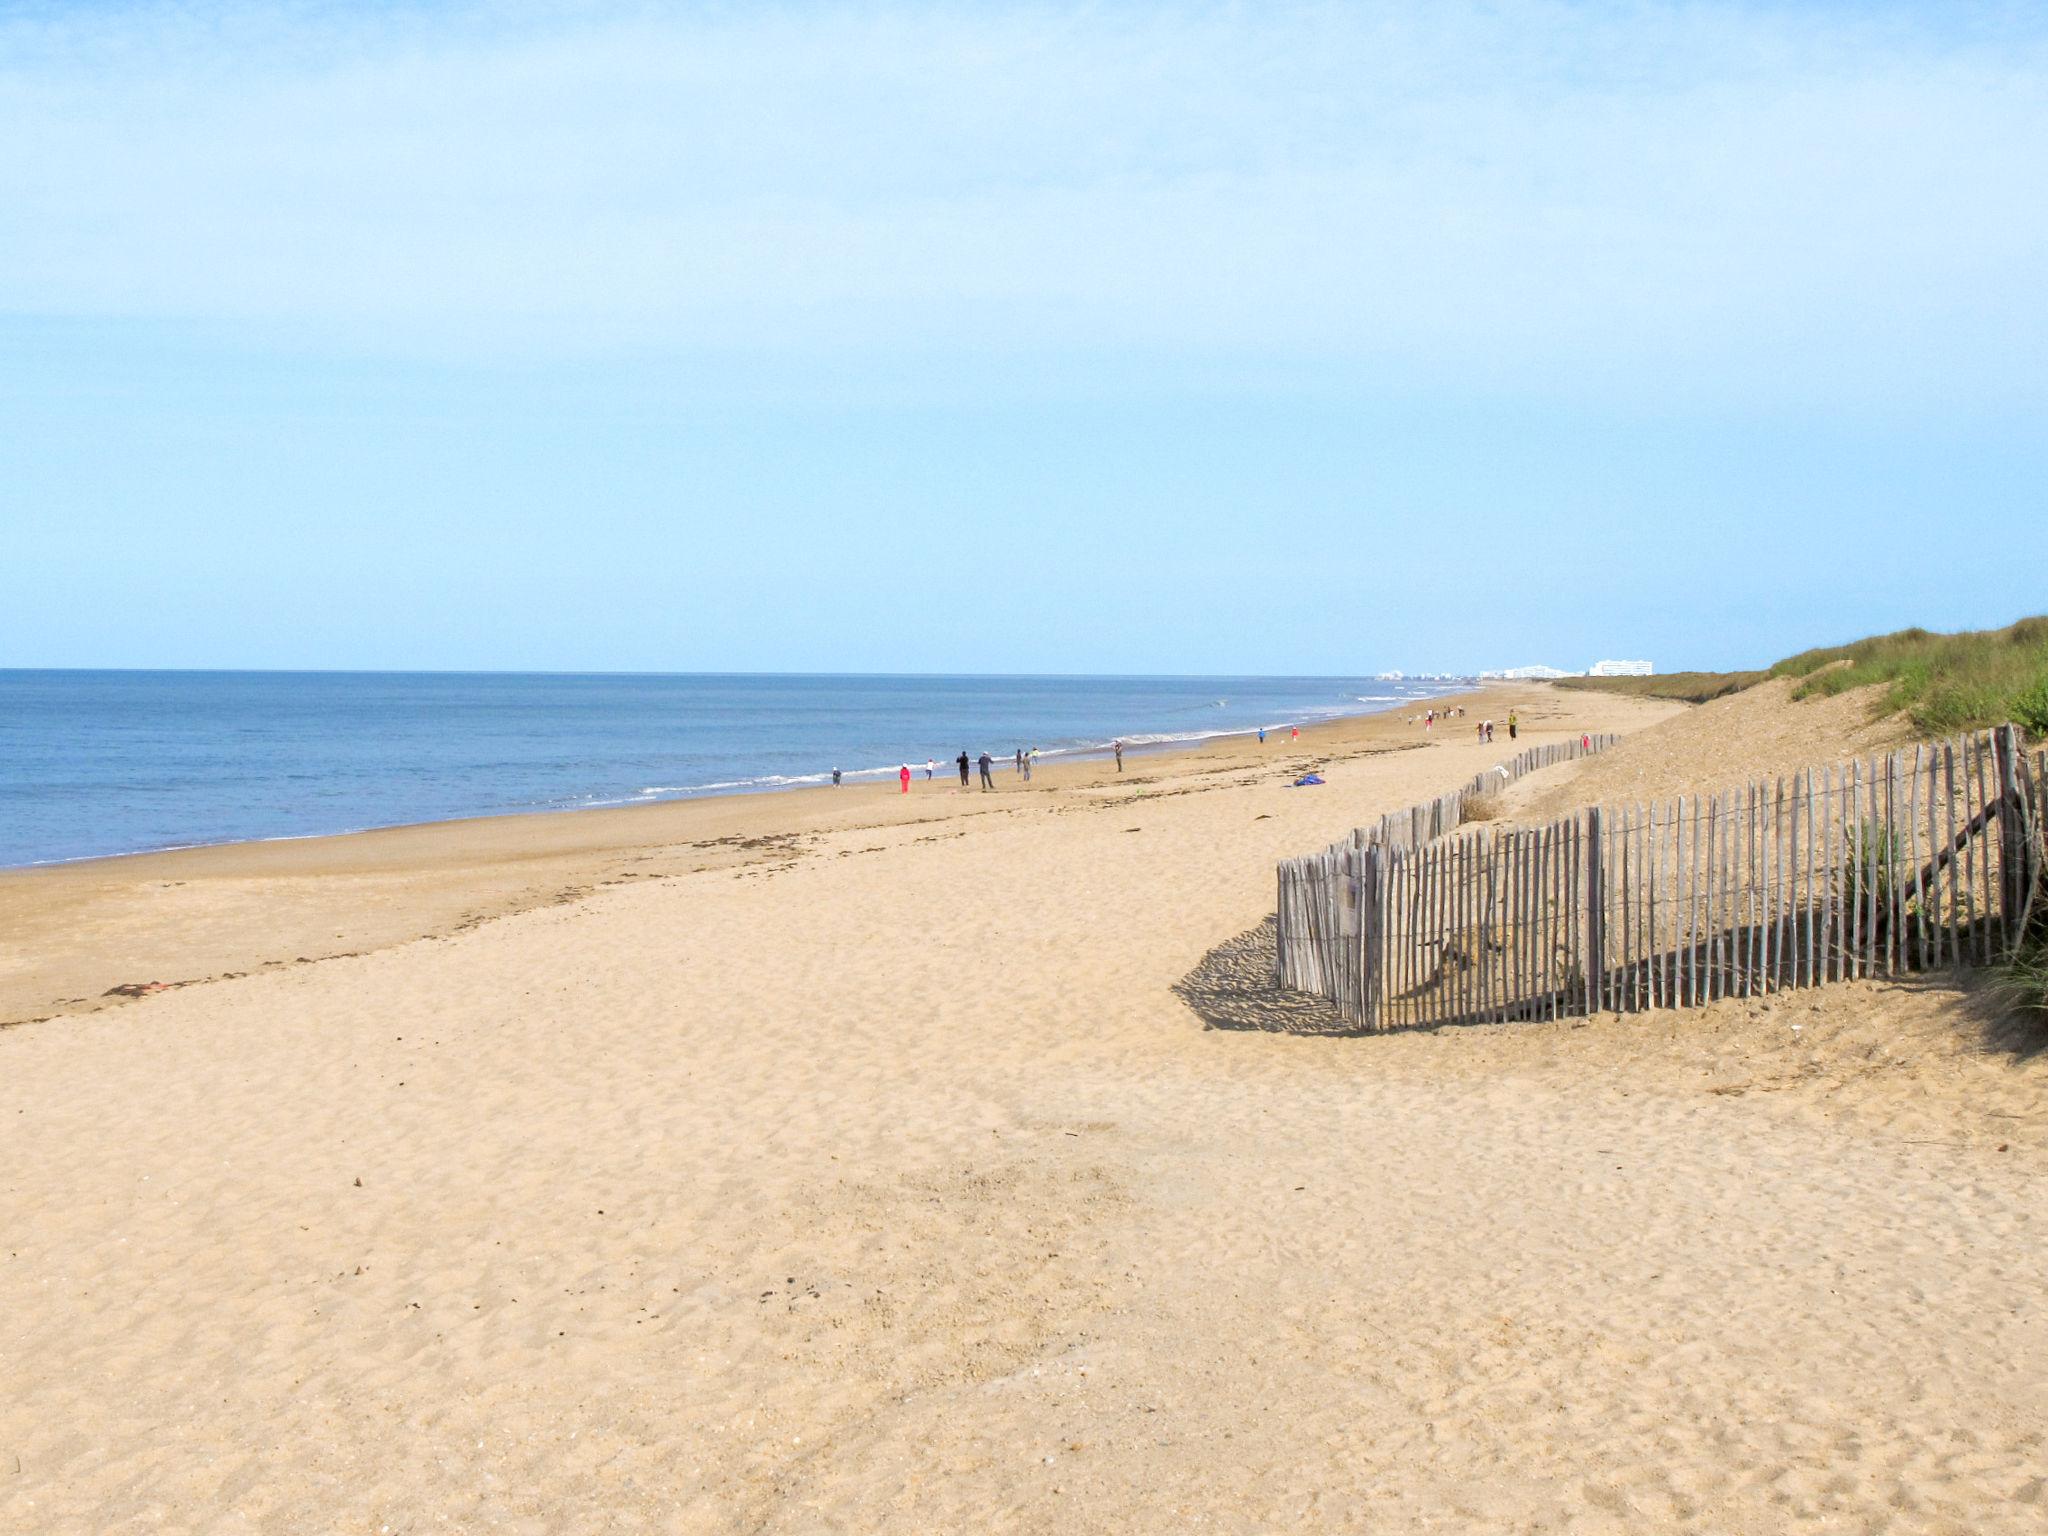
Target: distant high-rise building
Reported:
point(1621, 669)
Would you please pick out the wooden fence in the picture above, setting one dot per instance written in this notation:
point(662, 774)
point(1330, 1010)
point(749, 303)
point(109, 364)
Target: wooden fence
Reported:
point(1314, 911)
point(1922, 859)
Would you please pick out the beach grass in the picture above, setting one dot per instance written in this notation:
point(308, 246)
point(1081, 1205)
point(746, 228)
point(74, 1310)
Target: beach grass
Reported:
point(2023, 978)
point(1485, 806)
point(1943, 683)
point(1686, 687)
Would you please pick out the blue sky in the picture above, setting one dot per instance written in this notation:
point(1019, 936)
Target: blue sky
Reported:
point(1017, 338)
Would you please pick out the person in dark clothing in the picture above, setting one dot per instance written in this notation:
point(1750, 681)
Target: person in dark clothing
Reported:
point(835, 775)
point(987, 762)
point(1119, 757)
point(962, 760)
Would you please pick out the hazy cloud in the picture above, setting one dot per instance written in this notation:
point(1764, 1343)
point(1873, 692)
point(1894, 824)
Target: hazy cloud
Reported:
point(1741, 202)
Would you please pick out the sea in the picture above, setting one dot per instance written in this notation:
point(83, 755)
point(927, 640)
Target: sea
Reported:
point(96, 763)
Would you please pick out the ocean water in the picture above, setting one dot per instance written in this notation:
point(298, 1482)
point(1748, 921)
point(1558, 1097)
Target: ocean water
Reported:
point(95, 763)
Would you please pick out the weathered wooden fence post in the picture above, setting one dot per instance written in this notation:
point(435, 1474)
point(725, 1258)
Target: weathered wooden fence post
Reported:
point(1345, 947)
point(2017, 845)
point(2034, 784)
point(1281, 928)
point(1371, 937)
point(1596, 911)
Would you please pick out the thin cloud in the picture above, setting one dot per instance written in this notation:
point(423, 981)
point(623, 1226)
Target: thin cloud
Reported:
point(1775, 203)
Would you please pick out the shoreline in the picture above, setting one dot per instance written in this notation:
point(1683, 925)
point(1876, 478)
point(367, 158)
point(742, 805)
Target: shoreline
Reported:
point(180, 917)
point(1057, 756)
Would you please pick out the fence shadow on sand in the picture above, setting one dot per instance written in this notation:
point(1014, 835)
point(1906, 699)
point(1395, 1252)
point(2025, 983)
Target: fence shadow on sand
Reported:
point(1234, 988)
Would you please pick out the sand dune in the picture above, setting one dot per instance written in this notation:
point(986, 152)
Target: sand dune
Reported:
point(1762, 733)
point(876, 1177)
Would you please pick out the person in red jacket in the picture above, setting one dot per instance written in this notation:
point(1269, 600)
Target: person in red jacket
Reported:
point(904, 775)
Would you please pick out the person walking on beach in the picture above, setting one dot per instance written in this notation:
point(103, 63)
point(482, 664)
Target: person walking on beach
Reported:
point(987, 780)
point(835, 778)
point(1029, 753)
point(1020, 762)
point(930, 768)
point(904, 775)
point(1295, 731)
point(1513, 725)
point(1262, 735)
point(963, 767)
point(1118, 747)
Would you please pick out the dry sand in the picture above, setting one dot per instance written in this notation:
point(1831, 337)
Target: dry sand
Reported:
point(870, 1163)
point(1760, 734)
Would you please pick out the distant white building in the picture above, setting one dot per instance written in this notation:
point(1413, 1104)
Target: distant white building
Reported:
point(1621, 669)
point(1526, 674)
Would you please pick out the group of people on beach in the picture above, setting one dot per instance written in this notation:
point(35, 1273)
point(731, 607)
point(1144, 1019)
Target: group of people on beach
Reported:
point(1024, 759)
point(1429, 718)
point(1023, 762)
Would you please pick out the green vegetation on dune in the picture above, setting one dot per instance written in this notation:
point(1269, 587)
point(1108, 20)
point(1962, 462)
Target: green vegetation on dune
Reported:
point(2025, 981)
point(1943, 683)
point(1689, 687)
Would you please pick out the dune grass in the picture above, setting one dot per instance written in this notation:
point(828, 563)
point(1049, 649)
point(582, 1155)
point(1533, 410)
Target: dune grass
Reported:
point(2024, 982)
point(1943, 683)
point(1689, 687)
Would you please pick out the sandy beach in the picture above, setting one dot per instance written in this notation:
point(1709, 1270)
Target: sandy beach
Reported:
point(854, 1161)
